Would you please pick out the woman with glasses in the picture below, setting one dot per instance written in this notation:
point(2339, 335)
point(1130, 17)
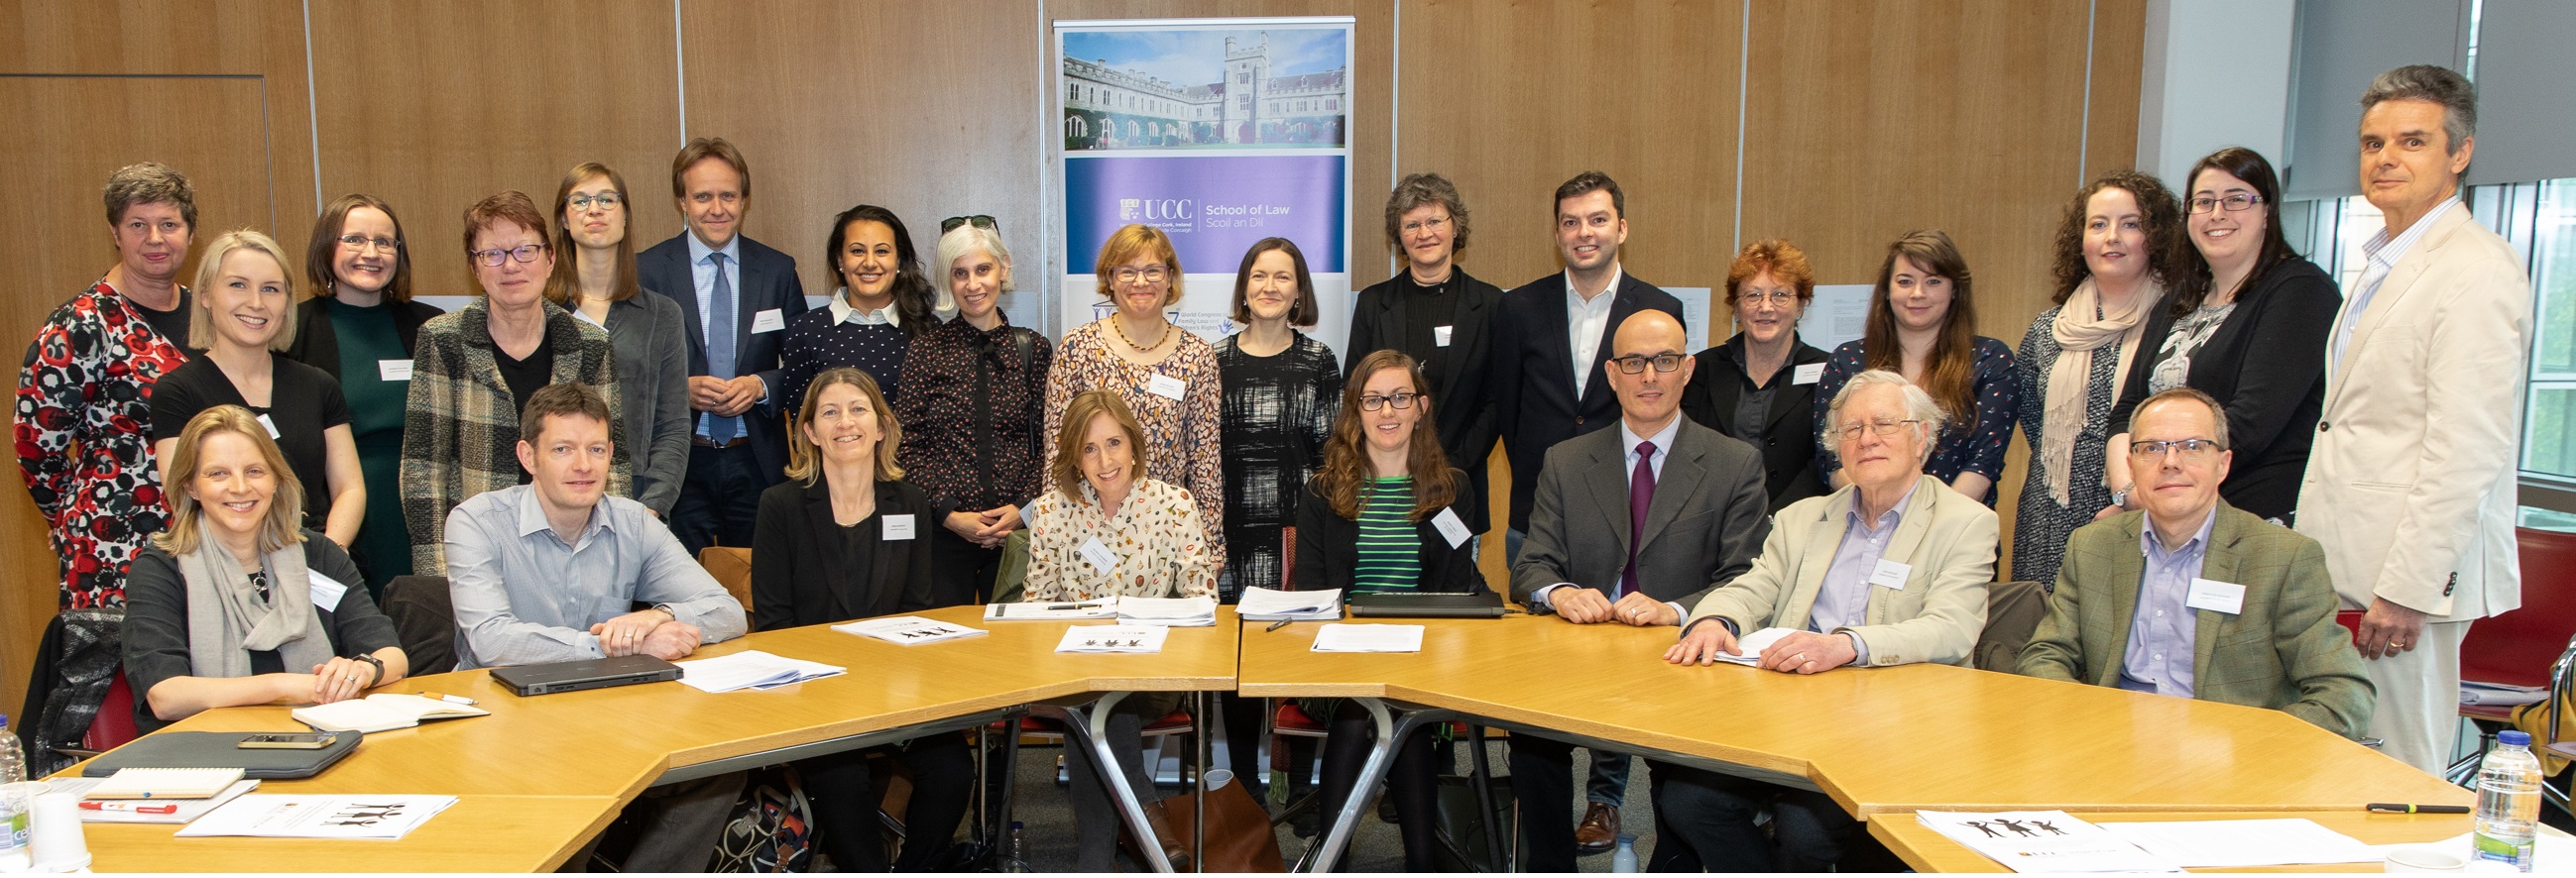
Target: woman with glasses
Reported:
point(1434, 311)
point(1280, 385)
point(2247, 324)
point(882, 304)
point(1167, 376)
point(1381, 515)
point(1922, 326)
point(476, 367)
point(2117, 244)
point(1760, 385)
point(596, 280)
point(244, 312)
point(360, 328)
point(974, 401)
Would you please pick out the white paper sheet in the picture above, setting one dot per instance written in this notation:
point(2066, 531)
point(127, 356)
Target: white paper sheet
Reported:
point(1753, 644)
point(1194, 612)
point(1369, 638)
point(354, 817)
point(908, 630)
point(2238, 844)
point(182, 810)
point(1113, 638)
point(751, 669)
point(2042, 841)
point(1267, 604)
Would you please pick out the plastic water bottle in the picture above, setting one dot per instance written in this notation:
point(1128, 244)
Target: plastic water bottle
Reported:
point(2508, 802)
point(14, 803)
point(1015, 851)
point(1625, 860)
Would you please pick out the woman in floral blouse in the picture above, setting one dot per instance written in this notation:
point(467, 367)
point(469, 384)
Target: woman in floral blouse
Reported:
point(973, 402)
point(1167, 376)
point(1108, 528)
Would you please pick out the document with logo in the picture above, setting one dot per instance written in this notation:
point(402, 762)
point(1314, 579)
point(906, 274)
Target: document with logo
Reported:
point(369, 817)
point(1113, 638)
point(2244, 844)
point(908, 630)
point(2042, 841)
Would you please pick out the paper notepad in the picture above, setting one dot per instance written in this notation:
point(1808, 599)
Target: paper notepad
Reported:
point(1194, 612)
point(165, 783)
point(381, 712)
point(1113, 638)
point(1369, 638)
point(1270, 604)
point(180, 810)
point(751, 669)
point(908, 630)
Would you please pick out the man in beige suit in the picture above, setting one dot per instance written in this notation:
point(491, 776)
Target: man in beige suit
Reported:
point(2410, 486)
point(2194, 598)
point(1889, 570)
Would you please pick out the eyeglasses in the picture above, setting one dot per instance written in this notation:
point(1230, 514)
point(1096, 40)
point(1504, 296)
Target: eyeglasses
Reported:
point(1776, 297)
point(2192, 449)
point(1153, 275)
point(1372, 402)
point(2233, 203)
point(1633, 364)
point(361, 242)
point(979, 220)
point(1884, 429)
point(604, 201)
point(522, 253)
point(1433, 223)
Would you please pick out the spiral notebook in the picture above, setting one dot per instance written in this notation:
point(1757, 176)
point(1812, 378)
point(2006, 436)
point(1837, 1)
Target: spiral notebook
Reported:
point(165, 783)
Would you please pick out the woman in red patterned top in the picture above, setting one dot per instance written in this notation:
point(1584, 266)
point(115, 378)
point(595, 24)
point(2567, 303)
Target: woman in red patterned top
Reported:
point(84, 425)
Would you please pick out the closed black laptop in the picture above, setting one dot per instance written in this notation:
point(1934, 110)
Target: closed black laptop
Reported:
point(1480, 604)
point(574, 676)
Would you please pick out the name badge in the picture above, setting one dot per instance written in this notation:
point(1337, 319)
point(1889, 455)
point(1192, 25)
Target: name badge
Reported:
point(393, 370)
point(326, 591)
point(2211, 594)
point(1440, 336)
point(271, 425)
point(768, 321)
point(1807, 374)
point(898, 527)
point(1096, 552)
point(1890, 574)
point(1167, 386)
point(1449, 526)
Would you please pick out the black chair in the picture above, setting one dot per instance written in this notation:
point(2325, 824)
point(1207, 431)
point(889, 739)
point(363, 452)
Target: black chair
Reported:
point(424, 620)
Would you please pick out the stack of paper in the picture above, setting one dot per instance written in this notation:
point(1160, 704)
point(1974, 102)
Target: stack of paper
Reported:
point(1369, 638)
point(1752, 645)
point(1269, 604)
point(165, 783)
point(2476, 692)
point(751, 669)
point(155, 811)
point(908, 630)
point(1197, 612)
point(2244, 844)
point(382, 711)
point(1041, 611)
point(2042, 841)
point(368, 817)
point(1113, 638)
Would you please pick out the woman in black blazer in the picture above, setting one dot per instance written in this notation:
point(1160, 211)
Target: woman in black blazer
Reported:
point(1760, 386)
point(1380, 516)
point(844, 538)
point(1437, 313)
point(2248, 325)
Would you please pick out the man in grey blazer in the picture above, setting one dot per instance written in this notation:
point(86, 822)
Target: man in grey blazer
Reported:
point(1629, 525)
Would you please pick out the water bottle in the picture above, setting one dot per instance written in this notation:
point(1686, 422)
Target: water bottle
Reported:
point(1625, 860)
point(14, 803)
point(2508, 802)
point(1015, 851)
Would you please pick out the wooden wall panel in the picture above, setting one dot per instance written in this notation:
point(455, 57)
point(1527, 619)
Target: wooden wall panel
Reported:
point(434, 106)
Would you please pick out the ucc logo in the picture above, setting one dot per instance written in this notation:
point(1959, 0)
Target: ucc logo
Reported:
point(1135, 209)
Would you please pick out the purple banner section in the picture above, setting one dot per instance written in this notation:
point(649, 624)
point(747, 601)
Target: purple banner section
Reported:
point(1213, 206)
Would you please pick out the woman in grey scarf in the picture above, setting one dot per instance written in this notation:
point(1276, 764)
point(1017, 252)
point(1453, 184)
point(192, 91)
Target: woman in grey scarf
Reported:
point(236, 605)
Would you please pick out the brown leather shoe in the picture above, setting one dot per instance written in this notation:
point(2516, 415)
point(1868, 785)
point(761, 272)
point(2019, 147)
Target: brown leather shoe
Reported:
point(1599, 831)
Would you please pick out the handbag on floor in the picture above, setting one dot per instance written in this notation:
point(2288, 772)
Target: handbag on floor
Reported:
point(1239, 835)
point(772, 829)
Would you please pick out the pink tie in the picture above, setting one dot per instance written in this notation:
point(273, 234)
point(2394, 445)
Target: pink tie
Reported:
point(1641, 497)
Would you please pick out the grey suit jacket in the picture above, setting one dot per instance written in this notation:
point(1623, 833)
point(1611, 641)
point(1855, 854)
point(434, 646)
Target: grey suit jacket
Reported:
point(1709, 515)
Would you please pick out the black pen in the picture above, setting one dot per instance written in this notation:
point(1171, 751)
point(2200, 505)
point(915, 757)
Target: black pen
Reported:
point(1274, 626)
point(2401, 808)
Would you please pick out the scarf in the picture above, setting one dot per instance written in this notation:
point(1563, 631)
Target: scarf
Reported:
point(2079, 334)
point(227, 621)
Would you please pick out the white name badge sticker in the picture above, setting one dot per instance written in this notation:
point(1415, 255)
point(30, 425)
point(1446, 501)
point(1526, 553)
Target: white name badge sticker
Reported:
point(1440, 336)
point(898, 527)
point(1096, 552)
point(1807, 374)
point(326, 591)
point(271, 425)
point(1449, 526)
point(1890, 574)
point(1166, 386)
point(393, 370)
point(768, 320)
point(2211, 594)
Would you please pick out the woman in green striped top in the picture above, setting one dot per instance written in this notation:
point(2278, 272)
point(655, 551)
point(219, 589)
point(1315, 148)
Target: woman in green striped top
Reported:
point(1376, 517)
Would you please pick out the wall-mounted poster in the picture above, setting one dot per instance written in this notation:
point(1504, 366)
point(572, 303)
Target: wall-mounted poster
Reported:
point(1220, 133)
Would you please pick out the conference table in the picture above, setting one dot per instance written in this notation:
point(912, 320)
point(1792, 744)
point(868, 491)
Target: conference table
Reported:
point(1929, 851)
point(542, 775)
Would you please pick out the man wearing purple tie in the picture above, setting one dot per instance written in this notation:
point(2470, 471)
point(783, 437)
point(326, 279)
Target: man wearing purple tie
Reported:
point(1631, 526)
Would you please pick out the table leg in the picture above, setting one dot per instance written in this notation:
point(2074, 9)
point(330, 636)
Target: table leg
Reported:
point(1091, 726)
point(1390, 732)
point(1482, 780)
point(1198, 780)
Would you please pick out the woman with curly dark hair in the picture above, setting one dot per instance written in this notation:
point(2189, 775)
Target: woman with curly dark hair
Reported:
point(882, 304)
point(2117, 249)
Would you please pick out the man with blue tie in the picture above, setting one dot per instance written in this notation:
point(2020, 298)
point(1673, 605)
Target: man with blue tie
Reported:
point(737, 294)
point(1630, 525)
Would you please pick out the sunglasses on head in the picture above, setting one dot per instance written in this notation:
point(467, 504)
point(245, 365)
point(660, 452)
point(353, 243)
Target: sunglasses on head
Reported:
point(981, 221)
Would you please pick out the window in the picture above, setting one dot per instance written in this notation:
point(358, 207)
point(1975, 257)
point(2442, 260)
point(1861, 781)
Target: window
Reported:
point(1243, 78)
point(2549, 421)
point(1332, 103)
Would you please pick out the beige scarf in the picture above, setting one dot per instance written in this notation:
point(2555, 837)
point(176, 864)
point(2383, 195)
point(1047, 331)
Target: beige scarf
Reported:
point(2078, 335)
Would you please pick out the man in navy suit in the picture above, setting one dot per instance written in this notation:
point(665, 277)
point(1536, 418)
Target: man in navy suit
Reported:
point(1550, 339)
point(738, 295)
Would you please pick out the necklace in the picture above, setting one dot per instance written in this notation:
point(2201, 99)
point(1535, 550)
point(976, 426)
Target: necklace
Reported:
point(1121, 328)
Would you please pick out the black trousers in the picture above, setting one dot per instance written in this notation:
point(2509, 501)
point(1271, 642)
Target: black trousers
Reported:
point(1413, 780)
point(1704, 821)
point(1543, 786)
point(961, 572)
point(719, 498)
point(845, 805)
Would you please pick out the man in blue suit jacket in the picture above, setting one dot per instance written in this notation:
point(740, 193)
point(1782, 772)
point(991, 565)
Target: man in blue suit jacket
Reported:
point(1550, 339)
point(737, 295)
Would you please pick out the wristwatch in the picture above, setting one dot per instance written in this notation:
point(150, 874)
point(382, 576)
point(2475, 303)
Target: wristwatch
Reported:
point(380, 668)
point(2120, 498)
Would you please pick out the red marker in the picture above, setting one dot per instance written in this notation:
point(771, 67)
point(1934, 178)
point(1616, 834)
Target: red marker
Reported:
point(123, 808)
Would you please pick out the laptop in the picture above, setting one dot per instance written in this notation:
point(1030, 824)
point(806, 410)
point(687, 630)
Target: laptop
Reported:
point(221, 750)
point(1479, 604)
point(574, 676)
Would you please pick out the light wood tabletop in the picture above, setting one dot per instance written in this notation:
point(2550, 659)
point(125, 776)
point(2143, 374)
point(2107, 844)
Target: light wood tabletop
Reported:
point(477, 834)
point(1929, 851)
point(1880, 740)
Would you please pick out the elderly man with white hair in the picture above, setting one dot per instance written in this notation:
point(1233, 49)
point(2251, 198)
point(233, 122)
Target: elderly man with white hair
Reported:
point(1889, 570)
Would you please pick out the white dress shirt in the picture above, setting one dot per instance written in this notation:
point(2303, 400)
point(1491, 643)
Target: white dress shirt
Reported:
point(1585, 321)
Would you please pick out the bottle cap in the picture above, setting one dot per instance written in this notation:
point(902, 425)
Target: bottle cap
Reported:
point(2514, 738)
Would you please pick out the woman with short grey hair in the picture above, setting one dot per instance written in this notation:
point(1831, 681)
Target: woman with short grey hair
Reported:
point(1433, 311)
